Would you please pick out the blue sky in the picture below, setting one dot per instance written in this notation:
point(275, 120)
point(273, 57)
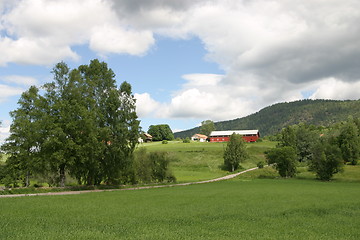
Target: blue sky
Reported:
point(188, 60)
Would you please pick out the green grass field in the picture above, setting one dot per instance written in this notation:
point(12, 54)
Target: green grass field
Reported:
point(255, 205)
point(202, 161)
point(243, 208)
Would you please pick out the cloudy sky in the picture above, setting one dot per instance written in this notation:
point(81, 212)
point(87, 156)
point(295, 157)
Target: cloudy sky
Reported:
point(187, 60)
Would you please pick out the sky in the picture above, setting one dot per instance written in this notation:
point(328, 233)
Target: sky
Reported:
point(189, 60)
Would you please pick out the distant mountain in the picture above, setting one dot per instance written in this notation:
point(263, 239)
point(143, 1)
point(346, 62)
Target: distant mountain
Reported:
point(272, 119)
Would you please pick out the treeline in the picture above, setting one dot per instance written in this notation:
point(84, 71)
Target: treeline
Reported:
point(272, 119)
point(81, 124)
point(324, 149)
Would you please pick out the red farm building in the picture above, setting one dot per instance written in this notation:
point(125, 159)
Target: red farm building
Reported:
point(224, 136)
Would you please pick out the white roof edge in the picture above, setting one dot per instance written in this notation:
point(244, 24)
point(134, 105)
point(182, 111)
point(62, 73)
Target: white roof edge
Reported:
point(229, 132)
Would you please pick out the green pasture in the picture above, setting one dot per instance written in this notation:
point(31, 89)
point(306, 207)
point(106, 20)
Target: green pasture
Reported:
point(201, 161)
point(243, 208)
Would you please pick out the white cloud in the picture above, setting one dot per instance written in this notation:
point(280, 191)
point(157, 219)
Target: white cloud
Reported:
point(8, 91)
point(19, 80)
point(270, 51)
point(202, 79)
point(333, 88)
point(4, 132)
point(201, 97)
point(110, 39)
point(43, 32)
point(145, 105)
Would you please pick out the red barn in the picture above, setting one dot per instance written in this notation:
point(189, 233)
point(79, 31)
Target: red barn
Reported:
point(224, 136)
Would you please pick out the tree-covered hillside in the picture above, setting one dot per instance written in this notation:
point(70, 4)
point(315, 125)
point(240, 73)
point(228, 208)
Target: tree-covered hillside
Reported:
point(272, 119)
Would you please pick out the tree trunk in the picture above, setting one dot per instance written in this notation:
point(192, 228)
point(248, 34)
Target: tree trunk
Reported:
point(27, 181)
point(62, 176)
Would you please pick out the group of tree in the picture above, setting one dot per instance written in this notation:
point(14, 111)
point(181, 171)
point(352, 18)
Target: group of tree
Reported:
point(161, 132)
point(325, 150)
point(81, 124)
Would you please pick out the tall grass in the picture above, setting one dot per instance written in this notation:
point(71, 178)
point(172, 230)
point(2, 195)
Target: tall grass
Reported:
point(235, 209)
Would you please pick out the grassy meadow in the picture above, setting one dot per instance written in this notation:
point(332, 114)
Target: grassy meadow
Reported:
point(255, 205)
point(242, 208)
point(197, 161)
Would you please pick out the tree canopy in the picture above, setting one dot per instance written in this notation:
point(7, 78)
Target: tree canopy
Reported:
point(82, 125)
point(284, 160)
point(207, 127)
point(235, 152)
point(161, 132)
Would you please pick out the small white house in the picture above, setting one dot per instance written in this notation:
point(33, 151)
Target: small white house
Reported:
point(199, 137)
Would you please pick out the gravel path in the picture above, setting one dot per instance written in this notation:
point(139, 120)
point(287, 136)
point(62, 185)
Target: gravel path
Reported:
point(133, 188)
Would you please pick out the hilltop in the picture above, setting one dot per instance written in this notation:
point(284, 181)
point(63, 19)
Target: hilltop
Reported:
point(270, 120)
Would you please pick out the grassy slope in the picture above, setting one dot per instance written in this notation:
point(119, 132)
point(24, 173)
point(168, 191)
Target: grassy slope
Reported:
point(201, 161)
point(237, 209)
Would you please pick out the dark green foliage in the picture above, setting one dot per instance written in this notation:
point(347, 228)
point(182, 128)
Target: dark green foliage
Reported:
point(235, 152)
point(272, 119)
point(284, 160)
point(302, 138)
point(306, 138)
point(327, 159)
point(207, 127)
point(349, 142)
point(161, 132)
point(260, 164)
point(186, 140)
point(288, 137)
point(24, 144)
point(152, 167)
point(164, 142)
point(82, 125)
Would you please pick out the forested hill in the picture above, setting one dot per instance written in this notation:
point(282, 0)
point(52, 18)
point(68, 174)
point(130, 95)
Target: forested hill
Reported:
point(272, 119)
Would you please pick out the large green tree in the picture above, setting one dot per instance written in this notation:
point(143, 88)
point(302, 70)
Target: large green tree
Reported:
point(235, 152)
point(327, 159)
point(283, 159)
point(24, 144)
point(349, 142)
point(207, 127)
point(161, 132)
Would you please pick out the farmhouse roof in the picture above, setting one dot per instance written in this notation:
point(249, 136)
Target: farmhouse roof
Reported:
point(200, 135)
point(229, 132)
point(147, 135)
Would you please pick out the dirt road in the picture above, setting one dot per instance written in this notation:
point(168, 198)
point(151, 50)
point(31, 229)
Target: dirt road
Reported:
point(133, 188)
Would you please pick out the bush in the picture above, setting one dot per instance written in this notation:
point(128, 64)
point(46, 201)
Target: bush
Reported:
point(284, 160)
point(152, 167)
point(164, 142)
point(186, 140)
point(260, 164)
